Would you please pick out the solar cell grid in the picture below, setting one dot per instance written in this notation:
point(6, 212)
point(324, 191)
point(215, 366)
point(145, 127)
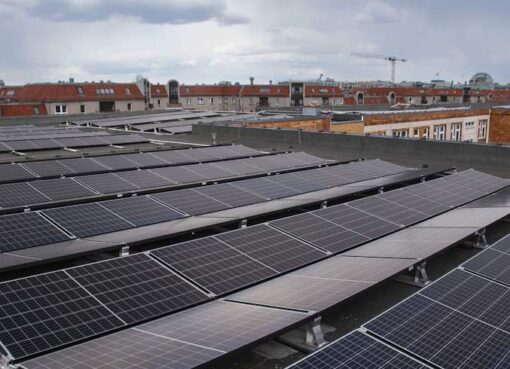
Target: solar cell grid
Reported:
point(173, 156)
point(213, 264)
point(428, 190)
point(127, 349)
point(348, 173)
point(190, 202)
point(452, 187)
point(295, 182)
point(239, 167)
point(230, 195)
point(47, 168)
point(419, 325)
point(141, 210)
point(62, 189)
point(323, 176)
point(357, 350)
point(355, 220)
point(70, 142)
point(142, 160)
point(210, 171)
point(179, 174)
point(19, 231)
point(271, 247)
point(144, 179)
point(320, 232)
point(477, 297)
point(106, 183)
point(265, 188)
point(87, 219)
point(412, 201)
point(115, 162)
point(45, 143)
point(478, 181)
point(136, 287)
point(20, 194)
point(83, 165)
point(47, 311)
point(223, 325)
point(20, 145)
point(199, 154)
point(393, 212)
point(492, 264)
point(502, 245)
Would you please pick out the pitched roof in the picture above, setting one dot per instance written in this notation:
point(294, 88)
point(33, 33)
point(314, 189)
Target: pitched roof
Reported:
point(22, 110)
point(320, 90)
point(158, 91)
point(234, 90)
point(47, 92)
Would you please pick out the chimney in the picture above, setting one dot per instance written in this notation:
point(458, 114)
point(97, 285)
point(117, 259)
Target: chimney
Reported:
point(71, 80)
point(270, 81)
point(251, 80)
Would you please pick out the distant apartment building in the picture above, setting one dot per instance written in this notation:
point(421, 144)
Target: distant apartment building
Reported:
point(468, 125)
point(69, 98)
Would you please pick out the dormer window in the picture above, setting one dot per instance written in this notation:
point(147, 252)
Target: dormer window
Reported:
point(79, 89)
point(127, 91)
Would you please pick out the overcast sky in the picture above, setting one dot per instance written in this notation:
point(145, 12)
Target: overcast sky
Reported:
point(197, 41)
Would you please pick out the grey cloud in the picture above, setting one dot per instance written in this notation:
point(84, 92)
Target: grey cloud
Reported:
point(146, 11)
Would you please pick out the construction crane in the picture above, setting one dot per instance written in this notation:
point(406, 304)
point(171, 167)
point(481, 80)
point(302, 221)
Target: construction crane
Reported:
point(392, 59)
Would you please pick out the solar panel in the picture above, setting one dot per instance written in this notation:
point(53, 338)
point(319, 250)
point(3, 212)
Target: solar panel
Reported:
point(478, 181)
point(20, 145)
point(348, 173)
point(239, 167)
point(62, 189)
point(376, 205)
point(44, 143)
point(141, 210)
point(265, 188)
point(492, 264)
point(230, 195)
point(441, 335)
point(323, 176)
point(449, 186)
point(412, 201)
point(472, 295)
point(179, 174)
point(413, 242)
point(297, 183)
point(357, 221)
point(223, 325)
point(271, 247)
point(136, 287)
point(70, 142)
point(127, 349)
point(190, 202)
point(144, 179)
point(47, 168)
point(214, 265)
point(388, 167)
point(106, 183)
point(466, 217)
point(47, 311)
point(320, 232)
point(14, 172)
point(115, 162)
point(357, 350)
point(502, 245)
point(199, 154)
point(87, 219)
point(83, 165)
point(173, 156)
point(322, 285)
point(431, 192)
point(143, 160)
point(19, 231)
point(210, 171)
point(20, 194)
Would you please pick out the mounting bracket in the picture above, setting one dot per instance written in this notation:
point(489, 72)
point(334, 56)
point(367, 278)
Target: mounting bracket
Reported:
point(124, 251)
point(243, 223)
point(420, 278)
point(314, 335)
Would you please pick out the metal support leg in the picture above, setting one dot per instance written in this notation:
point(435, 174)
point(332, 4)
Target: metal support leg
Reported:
point(124, 251)
point(380, 190)
point(481, 239)
point(324, 204)
point(314, 335)
point(420, 278)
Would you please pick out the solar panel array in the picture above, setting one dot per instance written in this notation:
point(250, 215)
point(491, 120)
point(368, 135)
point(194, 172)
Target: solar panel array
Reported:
point(46, 311)
point(457, 322)
point(35, 143)
point(357, 350)
point(44, 191)
point(16, 172)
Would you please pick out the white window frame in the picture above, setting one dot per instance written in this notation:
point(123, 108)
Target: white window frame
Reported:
point(61, 109)
point(439, 132)
point(456, 132)
point(482, 128)
point(200, 101)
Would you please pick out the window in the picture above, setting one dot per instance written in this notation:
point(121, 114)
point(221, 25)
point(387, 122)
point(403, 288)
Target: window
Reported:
point(212, 100)
point(159, 102)
point(127, 91)
point(129, 106)
point(157, 91)
point(10, 93)
point(439, 132)
point(82, 108)
point(79, 89)
point(36, 110)
point(456, 132)
point(482, 128)
point(188, 102)
point(416, 133)
point(401, 133)
point(426, 133)
point(200, 100)
point(265, 90)
point(470, 124)
point(61, 109)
